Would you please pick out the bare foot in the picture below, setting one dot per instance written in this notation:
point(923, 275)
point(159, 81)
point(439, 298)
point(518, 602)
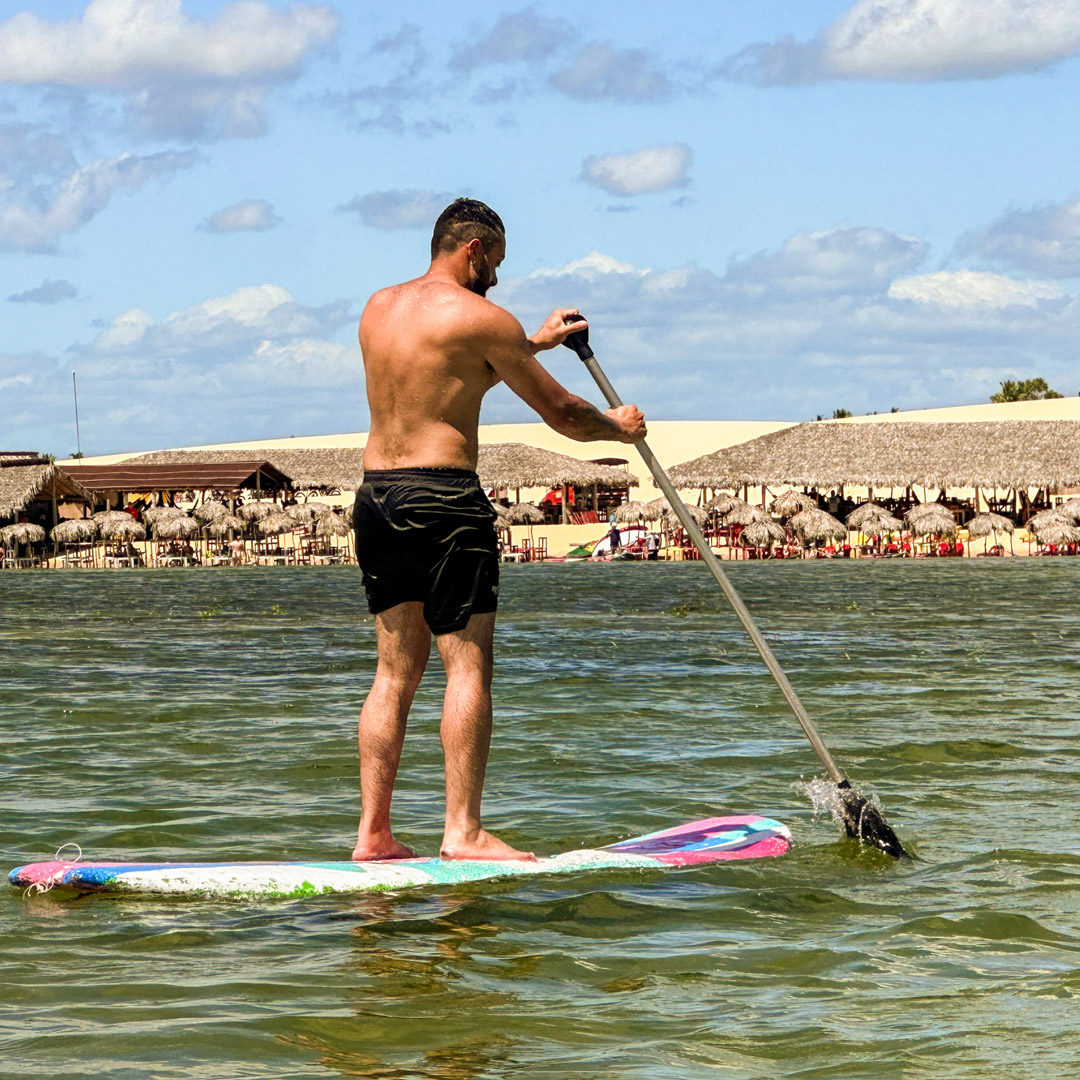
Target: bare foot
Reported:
point(482, 845)
point(377, 848)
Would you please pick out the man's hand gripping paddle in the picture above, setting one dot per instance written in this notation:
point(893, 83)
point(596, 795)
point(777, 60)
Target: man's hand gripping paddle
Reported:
point(861, 819)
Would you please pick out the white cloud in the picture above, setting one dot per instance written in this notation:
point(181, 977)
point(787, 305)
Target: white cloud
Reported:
point(174, 71)
point(589, 266)
point(842, 258)
point(401, 209)
point(655, 168)
point(1042, 240)
point(801, 329)
point(920, 40)
point(971, 288)
point(36, 217)
point(251, 215)
point(601, 71)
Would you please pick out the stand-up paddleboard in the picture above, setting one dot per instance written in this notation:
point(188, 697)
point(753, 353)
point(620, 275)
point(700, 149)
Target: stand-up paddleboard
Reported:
point(712, 840)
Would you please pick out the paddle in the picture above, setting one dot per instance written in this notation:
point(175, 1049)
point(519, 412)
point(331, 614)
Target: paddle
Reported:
point(861, 819)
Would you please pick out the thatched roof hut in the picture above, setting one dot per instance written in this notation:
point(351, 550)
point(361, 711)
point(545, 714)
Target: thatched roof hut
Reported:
point(999, 453)
point(516, 465)
point(323, 469)
point(21, 484)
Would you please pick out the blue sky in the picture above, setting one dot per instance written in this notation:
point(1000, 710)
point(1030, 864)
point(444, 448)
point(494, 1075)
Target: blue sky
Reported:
point(767, 210)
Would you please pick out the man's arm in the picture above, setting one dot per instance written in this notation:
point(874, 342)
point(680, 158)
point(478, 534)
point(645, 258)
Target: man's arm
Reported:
point(512, 356)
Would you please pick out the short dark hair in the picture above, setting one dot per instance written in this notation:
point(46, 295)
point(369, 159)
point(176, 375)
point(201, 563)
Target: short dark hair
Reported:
point(464, 220)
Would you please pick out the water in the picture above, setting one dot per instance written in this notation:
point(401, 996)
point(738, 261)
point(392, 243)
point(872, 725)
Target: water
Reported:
point(211, 714)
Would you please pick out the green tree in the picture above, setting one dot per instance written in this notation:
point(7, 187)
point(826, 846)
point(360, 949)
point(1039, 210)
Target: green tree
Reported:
point(1024, 390)
point(839, 414)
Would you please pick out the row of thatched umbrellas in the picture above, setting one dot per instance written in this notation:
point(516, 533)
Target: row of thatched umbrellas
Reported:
point(172, 523)
point(1059, 526)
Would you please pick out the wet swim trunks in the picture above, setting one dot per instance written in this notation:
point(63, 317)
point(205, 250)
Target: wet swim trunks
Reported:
point(427, 535)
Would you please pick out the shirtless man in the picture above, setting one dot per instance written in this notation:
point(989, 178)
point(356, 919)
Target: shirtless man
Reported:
point(425, 534)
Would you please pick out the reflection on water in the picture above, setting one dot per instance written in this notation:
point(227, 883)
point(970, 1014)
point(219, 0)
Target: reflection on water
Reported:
point(212, 714)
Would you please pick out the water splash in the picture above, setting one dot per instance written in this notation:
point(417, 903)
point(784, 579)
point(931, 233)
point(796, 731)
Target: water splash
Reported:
point(827, 798)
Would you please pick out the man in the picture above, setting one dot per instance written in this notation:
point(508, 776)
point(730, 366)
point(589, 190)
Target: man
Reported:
point(432, 348)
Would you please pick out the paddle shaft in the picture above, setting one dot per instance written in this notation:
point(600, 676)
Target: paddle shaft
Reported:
point(713, 563)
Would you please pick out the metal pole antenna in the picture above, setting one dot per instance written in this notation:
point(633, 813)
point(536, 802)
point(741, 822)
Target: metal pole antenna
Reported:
point(78, 438)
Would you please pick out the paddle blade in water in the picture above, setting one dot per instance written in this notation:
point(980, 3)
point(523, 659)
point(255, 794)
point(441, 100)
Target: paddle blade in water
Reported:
point(864, 822)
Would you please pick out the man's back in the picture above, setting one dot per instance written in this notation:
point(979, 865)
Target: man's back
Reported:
point(423, 346)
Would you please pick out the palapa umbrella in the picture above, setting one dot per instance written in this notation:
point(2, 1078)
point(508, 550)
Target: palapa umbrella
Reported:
point(1071, 507)
point(274, 524)
point(332, 525)
point(744, 514)
point(121, 526)
point(633, 512)
point(106, 518)
point(22, 533)
point(722, 503)
point(173, 527)
point(524, 514)
point(985, 524)
point(881, 525)
point(221, 526)
point(671, 519)
point(791, 502)
point(1057, 533)
point(256, 511)
point(865, 512)
point(762, 533)
point(814, 525)
point(1048, 517)
point(301, 512)
point(153, 514)
point(921, 510)
point(210, 511)
point(75, 531)
point(940, 522)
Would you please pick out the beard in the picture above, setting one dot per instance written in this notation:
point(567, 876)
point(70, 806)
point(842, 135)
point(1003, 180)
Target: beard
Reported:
point(480, 280)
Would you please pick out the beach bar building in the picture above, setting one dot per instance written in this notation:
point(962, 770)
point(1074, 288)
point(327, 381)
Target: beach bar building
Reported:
point(34, 488)
point(115, 485)
point(1014, 465)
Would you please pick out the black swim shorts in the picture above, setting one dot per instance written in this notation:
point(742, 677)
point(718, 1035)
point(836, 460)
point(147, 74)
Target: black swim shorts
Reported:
point(427, 535)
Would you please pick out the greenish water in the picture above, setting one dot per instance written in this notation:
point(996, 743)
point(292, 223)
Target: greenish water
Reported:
point(211, 713)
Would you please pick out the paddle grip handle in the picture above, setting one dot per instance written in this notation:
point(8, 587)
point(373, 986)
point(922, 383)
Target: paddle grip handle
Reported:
point(713, 563)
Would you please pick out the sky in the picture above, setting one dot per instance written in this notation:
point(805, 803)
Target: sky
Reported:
point(767, 210)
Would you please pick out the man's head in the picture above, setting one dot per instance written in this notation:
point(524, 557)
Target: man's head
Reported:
point(468, 223)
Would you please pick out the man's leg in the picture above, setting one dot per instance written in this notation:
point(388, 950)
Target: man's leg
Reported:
point(466, 738)
point(404, 643)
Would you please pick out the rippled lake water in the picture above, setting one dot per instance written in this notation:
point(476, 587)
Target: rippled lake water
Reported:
point(211, 714)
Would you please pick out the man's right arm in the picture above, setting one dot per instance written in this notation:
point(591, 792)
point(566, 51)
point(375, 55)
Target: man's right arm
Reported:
point(512, 357)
